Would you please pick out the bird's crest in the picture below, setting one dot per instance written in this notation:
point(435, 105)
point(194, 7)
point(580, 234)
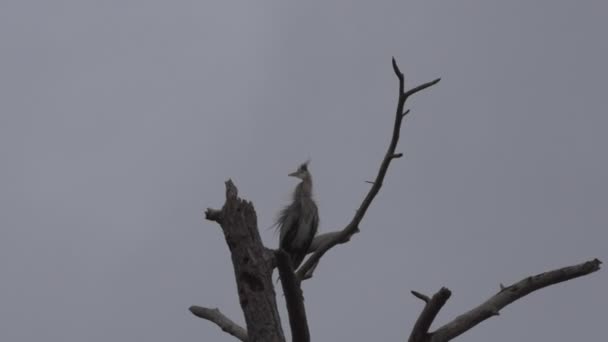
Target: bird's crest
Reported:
point(304, 165)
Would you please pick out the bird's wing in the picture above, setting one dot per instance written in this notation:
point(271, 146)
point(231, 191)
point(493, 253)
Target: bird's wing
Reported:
point(287, 224)
point(315, 219)
point(312, 225)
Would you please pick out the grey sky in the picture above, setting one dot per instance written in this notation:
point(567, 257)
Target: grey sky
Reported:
point(120, 120)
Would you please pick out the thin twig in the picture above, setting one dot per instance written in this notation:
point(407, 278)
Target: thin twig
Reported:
point(399, 75)
point(225, 323)
point(420, 88)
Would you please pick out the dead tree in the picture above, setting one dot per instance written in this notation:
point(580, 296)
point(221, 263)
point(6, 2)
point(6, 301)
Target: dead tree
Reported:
point(253, 265)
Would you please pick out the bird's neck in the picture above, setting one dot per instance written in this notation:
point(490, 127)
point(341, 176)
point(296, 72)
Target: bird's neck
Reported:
point(304, 189)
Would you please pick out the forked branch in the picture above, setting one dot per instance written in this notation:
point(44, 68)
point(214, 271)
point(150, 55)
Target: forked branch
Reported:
point(492, 306)
point(428, 314)
point(344, 235)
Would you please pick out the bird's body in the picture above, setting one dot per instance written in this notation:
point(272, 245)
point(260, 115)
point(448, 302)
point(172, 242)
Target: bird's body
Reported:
point(298, 222)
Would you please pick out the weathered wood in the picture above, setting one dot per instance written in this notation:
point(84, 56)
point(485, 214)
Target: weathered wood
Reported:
point(252, 268)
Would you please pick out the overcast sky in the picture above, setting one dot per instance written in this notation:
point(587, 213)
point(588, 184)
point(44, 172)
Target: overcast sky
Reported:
point(120, 121)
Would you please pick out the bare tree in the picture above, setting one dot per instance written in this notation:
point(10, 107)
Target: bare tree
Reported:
point(253, 265)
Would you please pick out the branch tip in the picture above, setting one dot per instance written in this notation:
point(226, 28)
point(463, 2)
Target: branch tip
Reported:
point(428, 314)
point(213, 215)
point(420, 296)
point(396, 155)
point(421, 87)
point(231, 190)
point(396, 69)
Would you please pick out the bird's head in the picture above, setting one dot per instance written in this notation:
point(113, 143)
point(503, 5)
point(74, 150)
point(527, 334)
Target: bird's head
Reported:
point(302, 171)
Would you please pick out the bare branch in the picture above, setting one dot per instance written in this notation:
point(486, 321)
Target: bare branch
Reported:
point(213, 215)
point(225, 323)
point(419, 295)
point(508, 295)
point(293, 299)
point(353, 226)
point(320, 241)
point(428, 314)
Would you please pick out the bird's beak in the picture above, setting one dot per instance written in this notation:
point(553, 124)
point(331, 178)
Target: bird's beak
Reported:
point(293, 174)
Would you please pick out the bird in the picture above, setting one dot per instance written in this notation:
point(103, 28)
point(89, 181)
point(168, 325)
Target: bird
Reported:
point(298, 222)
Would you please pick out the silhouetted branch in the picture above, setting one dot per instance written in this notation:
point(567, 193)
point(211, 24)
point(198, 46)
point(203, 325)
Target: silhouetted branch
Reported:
point(294, 299)
point(225, 323)
point(419, 88)
point(492, 306)
point(344, 235)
